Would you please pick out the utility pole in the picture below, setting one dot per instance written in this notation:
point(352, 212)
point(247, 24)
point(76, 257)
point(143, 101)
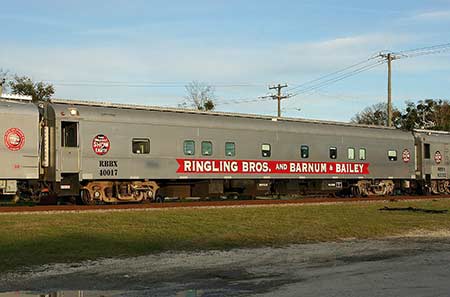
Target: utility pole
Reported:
point(2, 82)
point(278, 96)
point(389, 58)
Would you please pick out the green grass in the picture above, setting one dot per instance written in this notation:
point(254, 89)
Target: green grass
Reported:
point(31, 239)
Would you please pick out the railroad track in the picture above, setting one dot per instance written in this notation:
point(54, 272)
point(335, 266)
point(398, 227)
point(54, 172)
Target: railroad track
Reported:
point(46, 208)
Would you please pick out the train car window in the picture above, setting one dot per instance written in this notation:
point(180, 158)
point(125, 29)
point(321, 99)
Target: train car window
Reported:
point(189, 147)
point(351, 153)
point(266, 150)
point(69, 134)
point(392, 155)
point(141, 146)
point(207, 148)
point(333, 153)
point(362, 153)
point(230, 149)
point(304, 151)
point(426, 151)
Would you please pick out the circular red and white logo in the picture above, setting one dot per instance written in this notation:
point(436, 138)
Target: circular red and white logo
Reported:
point(14, 139)
point(406, 156)
point(101, 144)
point(437, 157)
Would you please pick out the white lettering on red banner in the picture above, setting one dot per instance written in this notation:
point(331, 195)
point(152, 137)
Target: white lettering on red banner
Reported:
point(203, 166)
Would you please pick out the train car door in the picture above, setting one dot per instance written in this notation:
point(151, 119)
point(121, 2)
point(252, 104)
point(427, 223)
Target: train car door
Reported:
point(446, 155)
point(70, 148)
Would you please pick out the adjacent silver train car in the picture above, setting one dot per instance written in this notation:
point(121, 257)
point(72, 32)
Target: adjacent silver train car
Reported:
point(112, 152)
point(433, 160)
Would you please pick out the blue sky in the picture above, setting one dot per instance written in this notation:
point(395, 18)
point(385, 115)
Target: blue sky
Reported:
point(241, 47)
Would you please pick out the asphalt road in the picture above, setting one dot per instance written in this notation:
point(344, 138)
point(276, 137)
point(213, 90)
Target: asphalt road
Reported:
point(390, 267)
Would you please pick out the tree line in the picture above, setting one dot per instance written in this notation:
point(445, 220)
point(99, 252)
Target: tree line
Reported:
point(425, 114)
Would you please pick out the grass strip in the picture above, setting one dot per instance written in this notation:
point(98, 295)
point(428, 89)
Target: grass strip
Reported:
point(34, 239)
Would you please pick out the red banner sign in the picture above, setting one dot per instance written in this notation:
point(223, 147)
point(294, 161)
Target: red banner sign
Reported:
point(204, 166)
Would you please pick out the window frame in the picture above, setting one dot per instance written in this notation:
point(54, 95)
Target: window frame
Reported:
point(426, 151)
point(392, 158)
point(264, 153)
point(365, 153)
point(351, 149)
point(202, 147)
point(302, 147)
point(333, 148)
point(63, 134)
point(140, 139)
point(234, 149)
point(185, 142)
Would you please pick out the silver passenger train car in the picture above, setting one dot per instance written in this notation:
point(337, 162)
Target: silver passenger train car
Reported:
point(112, 153)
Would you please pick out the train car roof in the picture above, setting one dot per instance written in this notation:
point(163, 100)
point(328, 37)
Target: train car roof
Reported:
point(211, 113)
point(25, 99)
point(431, 132)
point(18, 106)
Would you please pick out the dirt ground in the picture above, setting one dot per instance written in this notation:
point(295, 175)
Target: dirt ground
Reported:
point(417, 264)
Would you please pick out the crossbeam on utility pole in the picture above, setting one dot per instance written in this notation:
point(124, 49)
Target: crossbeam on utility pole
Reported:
point(278, 96)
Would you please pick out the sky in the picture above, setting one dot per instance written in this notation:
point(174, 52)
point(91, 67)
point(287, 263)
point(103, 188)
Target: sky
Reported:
point(145, 52)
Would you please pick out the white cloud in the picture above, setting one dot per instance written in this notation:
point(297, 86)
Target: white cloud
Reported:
point(438, 15)
point(435, 15)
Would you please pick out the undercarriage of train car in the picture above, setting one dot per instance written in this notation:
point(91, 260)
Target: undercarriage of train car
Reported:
point(439, 187)
point(118, 191)
point(286, 188)
point(97, 192)
point(34, 191)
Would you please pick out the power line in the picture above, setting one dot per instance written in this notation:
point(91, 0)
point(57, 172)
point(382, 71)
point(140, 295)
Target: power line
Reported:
point(333, 73)
point(343, 76)
point(242, 101)
point(429, 50)
point(363, 66)
point(391, 56)
point(320, 85)
point(143, 84)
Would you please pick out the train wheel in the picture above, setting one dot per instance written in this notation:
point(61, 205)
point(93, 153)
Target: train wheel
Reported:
point(159, 199)
point(149, 195)
point(86, 197)
point(447, 187)
point(434, 187)
point(356, 193)
point(441, 187)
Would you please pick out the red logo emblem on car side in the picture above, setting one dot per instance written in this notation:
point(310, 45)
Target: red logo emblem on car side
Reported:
point(14, 139)
point(406, 156)
point(437, 157)
point(101, 144)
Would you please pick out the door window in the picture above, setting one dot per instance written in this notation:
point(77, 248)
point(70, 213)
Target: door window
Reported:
point(69, 134)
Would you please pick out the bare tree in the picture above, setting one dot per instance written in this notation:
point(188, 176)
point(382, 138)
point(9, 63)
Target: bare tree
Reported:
point(375, 115)
point(199, 96)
